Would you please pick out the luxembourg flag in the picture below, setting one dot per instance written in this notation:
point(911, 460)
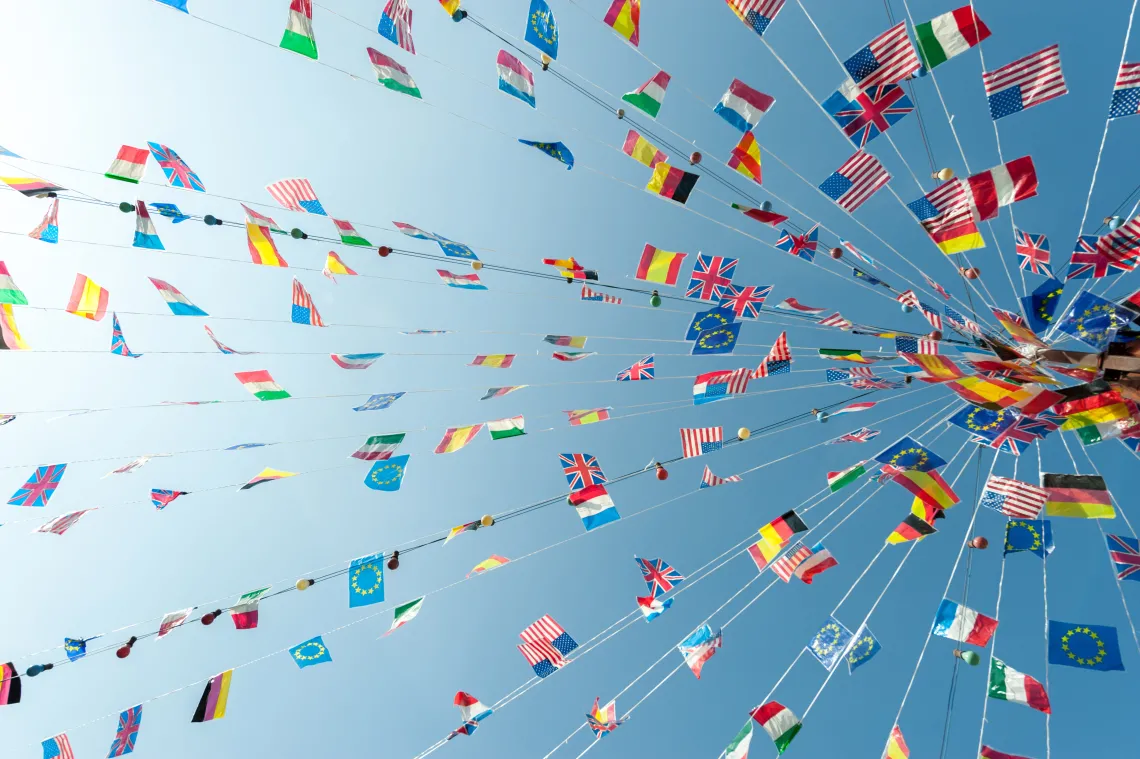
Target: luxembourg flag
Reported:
point(963, 624)
point(743, 106)
point(462, 281)
point(515, 79)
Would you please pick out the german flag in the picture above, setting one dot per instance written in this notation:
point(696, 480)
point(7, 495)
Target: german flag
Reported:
point(671, 182)
point(925, 511)
point(911, 528)
point(1083, 496)
point(774, 536)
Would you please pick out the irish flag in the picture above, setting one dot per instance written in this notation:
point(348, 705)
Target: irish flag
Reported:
point(298, 35)
point(501, 429)
point(261, 384)
point(1007, 684)
point(779, 722)
point(944, 37)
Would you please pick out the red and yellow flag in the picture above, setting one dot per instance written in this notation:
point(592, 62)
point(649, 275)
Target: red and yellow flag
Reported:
point(88, 299)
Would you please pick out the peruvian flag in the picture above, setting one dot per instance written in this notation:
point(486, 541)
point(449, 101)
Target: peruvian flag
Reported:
point(1000, 186)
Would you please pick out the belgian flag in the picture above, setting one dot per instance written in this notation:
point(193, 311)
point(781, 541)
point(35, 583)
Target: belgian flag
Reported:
point(671, 182)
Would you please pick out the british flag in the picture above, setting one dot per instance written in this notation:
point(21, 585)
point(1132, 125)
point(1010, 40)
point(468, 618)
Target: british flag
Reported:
point(659, 576)
point(870, 112)
point(1032, 252)
point(396, 25)
point(1014, 439)
point(941, 290)
point(545, 645)
point(581, 470)
point(745, 300)
point(38, 490)
point(802, 246)
point(1040, 425)
point(861, 435)
point(873, 383)
point(710, 275)
point(855, 181)
point(129, 723)
point(641, 370)
point(1108, 255)
point(178, 174)
point(1125, 553)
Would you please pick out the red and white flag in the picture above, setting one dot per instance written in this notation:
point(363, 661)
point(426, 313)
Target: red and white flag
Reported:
point(698, 441)
point(836, 320)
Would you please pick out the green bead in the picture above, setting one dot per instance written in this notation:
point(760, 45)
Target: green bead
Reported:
point(126, 207)
point(655, 300)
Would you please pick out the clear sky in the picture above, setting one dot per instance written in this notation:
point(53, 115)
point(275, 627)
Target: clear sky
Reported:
point(82, 78)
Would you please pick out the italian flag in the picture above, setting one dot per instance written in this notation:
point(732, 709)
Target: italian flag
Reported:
point(738, 749)
point(944, 37)
point(501, 429)
point(779, 722)
point(649, 96)
point(837, 480)
point(299, 29)
point(1007, 684)
point(405, 613)
point(262, 385)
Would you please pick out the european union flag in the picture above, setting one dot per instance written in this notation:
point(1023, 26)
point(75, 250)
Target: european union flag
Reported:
point(1033, 535)
point(983, 422)
point(1084, 646)
point(455, 249)
point(1090, 319)
point(830, 643)
point(76, 648)
point(717, 317)
point(169, 210)
point(379, 402)
point(541, 28)
point(868, 278)
point(310, 652)
point(555, 150)
point(908, 453)
point(366, 581)
point(862, 650)
point(1041, 304)
point(717, 340)
point(387, 475)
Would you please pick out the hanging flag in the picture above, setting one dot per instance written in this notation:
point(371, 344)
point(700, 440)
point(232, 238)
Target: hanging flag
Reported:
point(541, 28)
point(948, 35)
point(642, 150)
point(603, 719)
point(594, 506)
point(502, 429)
point(717, 341)
point(1084, 646)
point(304, 311)
point(162, 498)
point(118, 342)
point(312, 651)
point(791, 304)
point(556, 150)
point(861, 435)
point(887, 59)
point(671, 183)
point(865, 114)
point(896, 745)
point(348, 233)
point(1084, 496)
point(698, 647)
point(1125, 554)
point(710, 480)
point(171, 620)
point(659, 266)
point(624, 17)
point(658, 575)
point(260, 220)
point(545, 645)
point(405, 613)
point(222, 346)
point(127, 733)
point(742, 743)
point(1032, 252)
point(59, 747)
point(801, 246)
point(582, 470)
point(649, 98)
point(946, 215)
point(298, 35)
point(860, 177)
point(715, 386)
point(494, 360)
point(837, 480)
point(1026, 82)
point(178, 174)
point(462, 281)
point(179, 304)
point(355, 360)
point(786, 564)
point(762, 215)
point(1041, 305)
point(379, 447)
point(128, 165)
point(455, 438)
point(48, 229)
point(992, 753)
point(578, 417)
point(962, 624)
point(62, 523)
point(169, 211)
point(706, 320)
point(261, 384)
point(1091, 318)
point(494, 562)
point(1126, 91)
point(212, 705)
point(387, 475)
point(244, 612)
point(830, 644)
point(515, 79)
point(709, 276)
point(396, 25)
point(333, 265)
point(757, 14)
point(862, 649)
point(9, 292)
point(652, 608)
point(499, 392)
point(774, 536)
point(88, 299)
point(11, 688)
point(908, 453)
point(76, 648)
point(1108, 255)
point(745, 158)
point(471, 710)
point(146, 236)
point(1001, 186)
point(571, 355)
point(778, 722)
point(366, 580)
point(743, 106)
point(1007, 684)
point(296, 194)
point(40, 487)
point(460, 529)
point(641, 370)
point(32, 187)
point(928, 487)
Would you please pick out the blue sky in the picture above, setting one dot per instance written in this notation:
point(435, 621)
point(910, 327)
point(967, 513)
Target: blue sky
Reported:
point(243, 114)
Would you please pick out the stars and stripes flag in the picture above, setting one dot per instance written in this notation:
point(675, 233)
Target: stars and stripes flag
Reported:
point(1126, 92)
point(589, 294)
point(931, 315)
point(842, 375)
point(223, 347)
point(641, 370)
point(1032, 252)
point(1026, 82)
point(659, 576)
point(757, 14)
point(1125, 554)
point(861, 435)
point(962, 322)
point(864, 115)
point(836, 320)
point(58, 747)
point(304, 310)
point(780, 350)
point(745, 300)
point(1108, 255)
point(709, 276)
point(919, 345)
point(396, 25)
point(1013, 498)
point(853, 183)
point(786, 564)
point(908, 298)
point(801, 246)
point(581, 470)
point(710, 480)
point(296, 195)
point(887, 59)
point(545, 645)
point(947, 215)
point(697, 441)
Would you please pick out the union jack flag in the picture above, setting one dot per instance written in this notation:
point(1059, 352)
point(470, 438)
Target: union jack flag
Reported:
point(1041, 424)
point(1125, 553)
point(659, 576)
point(1108, 255)
point(869, 113)
point(861, 435)
point(63, 523)
point(178, 174)
point(129, 723)
point(641, 370)
point(801, 246)
point(941, 290)
point(850, 248)
point(581, 470)
point(1013, 439)
point(118, 342)
point(545, 645)
point(710, 275)
point(745, 300)
point(38, 490)
point(396, 24)
point(1032, 252)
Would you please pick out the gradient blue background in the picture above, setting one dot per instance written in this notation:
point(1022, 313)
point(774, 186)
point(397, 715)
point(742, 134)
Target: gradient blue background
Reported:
point(82, 78)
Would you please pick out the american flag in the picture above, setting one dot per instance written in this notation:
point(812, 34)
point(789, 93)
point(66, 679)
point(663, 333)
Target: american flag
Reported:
point(757, 14)
point(733, 382)
point(870, 113)
point(908, 298)
point(58, 747)
point(710, 274)
point(1026, 82)
point(1126, 92)
point(588, 294)
point(843, 375)
point(702, 440)
point(861, 435)
point(1013, 498)
point(961, 321)
point(769, 368)
point(641, 370)
point(931, 315)
point(850, 248)
point(128, 732)
point(802, 246)
point(396, 24)
point(860, 177)
point(1032, 252)
point(659, 576)
point(178, 174)
point(710, 480)
point(297, 195)
point(921, 346)
point(581, 470)
point(63, 523)
point(835, 320)
point(786, 564)
point(941, 290)
point(780, 350)
point(1107, 255)
point(545, 644)
point(887, 59)
point(304, 310)
point(223, 347)
point(1125, 553)
point(745, 300)
point(945, 212)
point(873, 383)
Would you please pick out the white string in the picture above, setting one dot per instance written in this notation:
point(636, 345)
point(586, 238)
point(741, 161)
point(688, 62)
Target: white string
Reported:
point(1045, 626)
point(993, 647)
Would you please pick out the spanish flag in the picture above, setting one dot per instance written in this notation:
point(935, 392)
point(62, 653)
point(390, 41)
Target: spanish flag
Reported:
point(928, 487)
point(457, 437)
point(1083, 496)
point(981, 391)
point(333, 265)
point(896, 745)
point(938, 368)
point(745, 158)
point(911, 528)
point(261, 247)
point(642, 150)
point(88, 299)
point(659, 266)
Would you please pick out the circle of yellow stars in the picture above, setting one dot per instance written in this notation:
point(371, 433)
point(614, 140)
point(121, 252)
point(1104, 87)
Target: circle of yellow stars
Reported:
point(706, 339)
point(1036, 545)
point(1091, 313)
point(1043, 309)
point(820, 644)
point(855, 655)
point(377, 579)
point(397, 471)
point(1084, 661)
point(299, 656)
point(998, 419)
point(539, 22)
point(921, 461)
